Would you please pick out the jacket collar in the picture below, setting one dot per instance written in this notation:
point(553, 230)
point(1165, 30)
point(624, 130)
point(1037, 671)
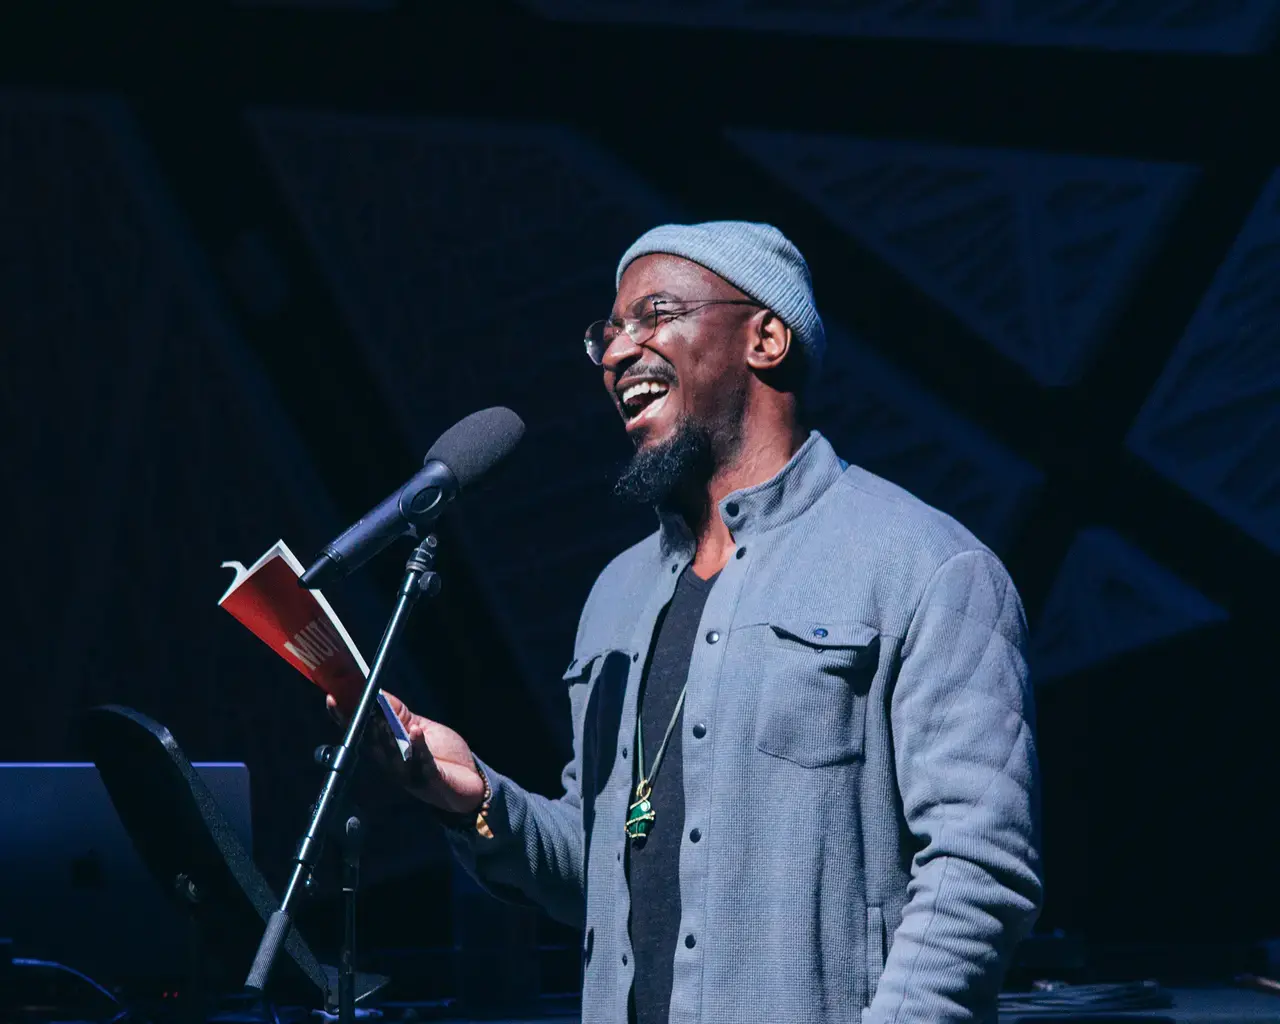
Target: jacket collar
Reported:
point(785, 496)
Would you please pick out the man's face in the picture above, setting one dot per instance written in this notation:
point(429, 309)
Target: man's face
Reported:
point(680, 382)
point(690, 366)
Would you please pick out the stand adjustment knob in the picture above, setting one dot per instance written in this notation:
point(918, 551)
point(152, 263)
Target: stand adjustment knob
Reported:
point(186, 888)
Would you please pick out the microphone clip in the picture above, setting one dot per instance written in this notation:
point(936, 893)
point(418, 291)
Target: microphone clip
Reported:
point(423, 560)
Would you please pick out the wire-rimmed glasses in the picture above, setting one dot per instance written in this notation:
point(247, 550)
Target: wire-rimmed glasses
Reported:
point(643, 320)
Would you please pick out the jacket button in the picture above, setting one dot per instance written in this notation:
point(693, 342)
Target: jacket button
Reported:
point(695, 835)
point(713, 637)
point(690, 942)
point(699, 731)
point(624, 959)
point(624, 753)
point(741, 553)
point(819, 632)
point(732, 508)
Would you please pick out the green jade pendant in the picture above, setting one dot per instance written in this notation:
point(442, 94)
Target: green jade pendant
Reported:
point(640, 816)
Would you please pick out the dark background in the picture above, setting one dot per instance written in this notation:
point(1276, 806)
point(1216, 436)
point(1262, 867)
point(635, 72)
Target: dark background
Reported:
point(255, 257)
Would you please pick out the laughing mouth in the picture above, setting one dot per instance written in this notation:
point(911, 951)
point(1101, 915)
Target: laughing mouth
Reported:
point(642, 398)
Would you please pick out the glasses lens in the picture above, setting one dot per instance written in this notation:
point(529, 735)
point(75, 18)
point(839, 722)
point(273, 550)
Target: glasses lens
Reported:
point(639, 323)
point(599, 334)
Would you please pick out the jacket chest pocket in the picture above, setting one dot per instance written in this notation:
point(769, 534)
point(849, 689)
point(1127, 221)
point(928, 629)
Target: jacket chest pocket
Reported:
point(815, 680)
point(598, 684)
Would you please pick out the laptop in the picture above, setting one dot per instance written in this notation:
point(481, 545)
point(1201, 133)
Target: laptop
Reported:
point(72, 887)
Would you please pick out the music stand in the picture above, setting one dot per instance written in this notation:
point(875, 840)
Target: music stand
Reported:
point(194, 854)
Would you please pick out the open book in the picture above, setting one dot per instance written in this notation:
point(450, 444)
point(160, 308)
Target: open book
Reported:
point(302, 627)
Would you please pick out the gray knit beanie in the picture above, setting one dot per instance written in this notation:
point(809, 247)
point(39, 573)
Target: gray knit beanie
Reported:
point(756, 258)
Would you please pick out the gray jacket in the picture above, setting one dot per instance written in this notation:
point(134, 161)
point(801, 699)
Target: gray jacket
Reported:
point(858, 762)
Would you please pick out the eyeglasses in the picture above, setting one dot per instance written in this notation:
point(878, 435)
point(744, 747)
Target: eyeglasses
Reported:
point(645, 317)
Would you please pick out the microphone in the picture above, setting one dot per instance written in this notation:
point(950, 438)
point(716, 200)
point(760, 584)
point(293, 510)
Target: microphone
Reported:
point(460, 457)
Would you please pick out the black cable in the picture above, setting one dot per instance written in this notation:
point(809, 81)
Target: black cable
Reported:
point(122, 1011)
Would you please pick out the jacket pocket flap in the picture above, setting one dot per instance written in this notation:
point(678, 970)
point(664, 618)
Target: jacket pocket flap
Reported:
point(825, 634)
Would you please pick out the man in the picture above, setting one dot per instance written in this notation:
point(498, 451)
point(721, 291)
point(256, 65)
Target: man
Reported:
point(803, 783)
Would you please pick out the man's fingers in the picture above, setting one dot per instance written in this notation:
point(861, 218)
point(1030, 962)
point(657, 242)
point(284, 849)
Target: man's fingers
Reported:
point(398, 709)
point(422, 764)
point(418, 742)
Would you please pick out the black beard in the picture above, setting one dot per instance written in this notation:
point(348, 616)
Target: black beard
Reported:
point(677, 467)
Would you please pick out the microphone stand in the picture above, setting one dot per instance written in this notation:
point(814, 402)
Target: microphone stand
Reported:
point(419, 579)
point(352, 837)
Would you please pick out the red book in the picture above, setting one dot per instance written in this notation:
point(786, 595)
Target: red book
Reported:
point(302, 627)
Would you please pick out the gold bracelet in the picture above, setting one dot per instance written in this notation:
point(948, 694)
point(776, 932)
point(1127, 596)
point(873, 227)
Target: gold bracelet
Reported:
point(482, 824)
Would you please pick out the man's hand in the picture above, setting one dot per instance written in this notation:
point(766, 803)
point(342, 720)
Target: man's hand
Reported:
point(440, 771)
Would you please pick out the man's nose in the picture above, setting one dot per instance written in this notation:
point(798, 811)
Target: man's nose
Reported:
point(621, 350)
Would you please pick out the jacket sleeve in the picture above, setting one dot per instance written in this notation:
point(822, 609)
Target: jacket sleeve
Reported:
point(962, 718)
point(535, 855)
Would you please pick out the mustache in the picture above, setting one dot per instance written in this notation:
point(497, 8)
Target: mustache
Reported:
point(659, 372)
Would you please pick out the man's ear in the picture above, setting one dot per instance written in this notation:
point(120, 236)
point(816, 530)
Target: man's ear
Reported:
point(770, 343)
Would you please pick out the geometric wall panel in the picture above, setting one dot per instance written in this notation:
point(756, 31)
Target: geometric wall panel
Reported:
point(1174, 25)
point(468, 257)
point(884, 422)
point(1212, 422)
point(1110, 598)
point(1034, 252)
point(164, 453)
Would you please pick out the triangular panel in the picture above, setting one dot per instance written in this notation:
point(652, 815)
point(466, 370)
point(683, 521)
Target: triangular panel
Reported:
point(469, 256)
point(1035, 253)
point(880, 418)
point(1212, 423)
point(1109, 599)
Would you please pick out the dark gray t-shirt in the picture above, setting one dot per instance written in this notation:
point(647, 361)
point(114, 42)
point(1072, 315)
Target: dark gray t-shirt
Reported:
point(653, 863)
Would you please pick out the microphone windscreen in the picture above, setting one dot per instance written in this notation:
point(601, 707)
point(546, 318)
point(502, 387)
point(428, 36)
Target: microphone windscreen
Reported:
point(477, 443)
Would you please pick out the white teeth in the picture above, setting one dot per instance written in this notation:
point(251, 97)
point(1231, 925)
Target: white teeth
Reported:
point(643, 388)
